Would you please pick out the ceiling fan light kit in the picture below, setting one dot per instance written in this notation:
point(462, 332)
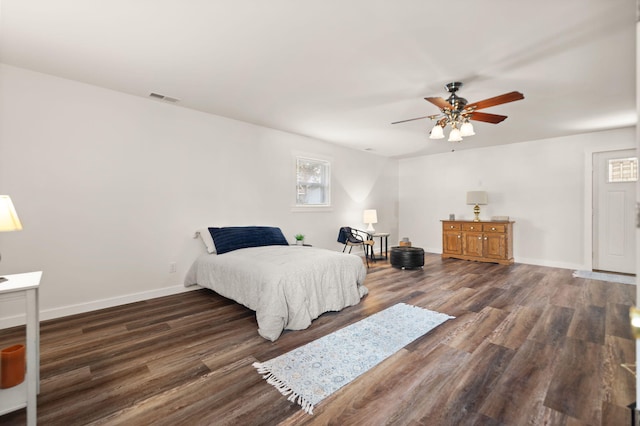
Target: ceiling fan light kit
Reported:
point(457, 113)
point(466, 129)
point(454, 135)
point(437, 132)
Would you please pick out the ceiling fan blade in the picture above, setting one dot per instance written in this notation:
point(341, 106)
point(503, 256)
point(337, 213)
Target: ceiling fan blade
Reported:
point(497, 100)
point(411, 119)
point(487, 118)
point(440, 103)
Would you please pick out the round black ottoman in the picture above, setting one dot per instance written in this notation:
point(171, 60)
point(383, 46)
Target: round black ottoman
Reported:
point(407, 257)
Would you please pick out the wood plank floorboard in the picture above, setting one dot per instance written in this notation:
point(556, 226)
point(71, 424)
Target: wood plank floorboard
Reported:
point(530, 345)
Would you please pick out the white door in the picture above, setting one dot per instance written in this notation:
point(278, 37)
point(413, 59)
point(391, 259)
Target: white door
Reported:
point(614, 195)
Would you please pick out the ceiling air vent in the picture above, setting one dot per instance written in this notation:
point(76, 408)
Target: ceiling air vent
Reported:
point(163, 97)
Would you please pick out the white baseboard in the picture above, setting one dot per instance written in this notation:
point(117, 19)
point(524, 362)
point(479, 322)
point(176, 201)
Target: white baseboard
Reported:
point(550, 263)
point(537, 262)
point(432, 250)
point(64, 311)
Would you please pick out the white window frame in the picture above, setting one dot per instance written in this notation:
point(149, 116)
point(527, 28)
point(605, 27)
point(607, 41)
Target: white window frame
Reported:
point(326, 184)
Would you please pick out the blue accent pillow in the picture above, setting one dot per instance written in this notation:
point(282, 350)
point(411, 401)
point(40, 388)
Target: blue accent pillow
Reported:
point(237, 237)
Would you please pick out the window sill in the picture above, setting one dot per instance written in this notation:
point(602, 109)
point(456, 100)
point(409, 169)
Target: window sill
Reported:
point(303, 209)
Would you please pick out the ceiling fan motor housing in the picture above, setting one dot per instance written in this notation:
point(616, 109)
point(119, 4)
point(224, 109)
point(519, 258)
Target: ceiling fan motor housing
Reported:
point(454, 100)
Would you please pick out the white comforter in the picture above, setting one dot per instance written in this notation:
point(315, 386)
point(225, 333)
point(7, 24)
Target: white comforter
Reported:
point(287, 286)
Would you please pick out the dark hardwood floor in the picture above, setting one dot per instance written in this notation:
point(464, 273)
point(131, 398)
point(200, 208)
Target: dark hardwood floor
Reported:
point(529, 345)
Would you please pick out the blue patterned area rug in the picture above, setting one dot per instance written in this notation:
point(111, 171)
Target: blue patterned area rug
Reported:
point(314, 371)
point(602, 276)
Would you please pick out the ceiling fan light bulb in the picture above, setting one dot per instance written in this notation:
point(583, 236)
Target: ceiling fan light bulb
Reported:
point(437, 132)
point(455, 135)
point(466, 129)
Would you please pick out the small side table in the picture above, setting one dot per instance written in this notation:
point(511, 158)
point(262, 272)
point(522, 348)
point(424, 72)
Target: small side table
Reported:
point(25, 394)
point(384, 241)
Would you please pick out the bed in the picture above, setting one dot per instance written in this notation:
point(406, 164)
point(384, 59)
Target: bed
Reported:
point(287, 286)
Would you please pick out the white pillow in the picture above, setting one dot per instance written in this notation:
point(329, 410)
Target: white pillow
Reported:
point(205, 236)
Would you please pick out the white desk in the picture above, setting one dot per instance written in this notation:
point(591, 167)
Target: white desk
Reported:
point(25, 394)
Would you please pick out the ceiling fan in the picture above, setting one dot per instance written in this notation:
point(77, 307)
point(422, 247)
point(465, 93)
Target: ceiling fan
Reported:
point(456, 112)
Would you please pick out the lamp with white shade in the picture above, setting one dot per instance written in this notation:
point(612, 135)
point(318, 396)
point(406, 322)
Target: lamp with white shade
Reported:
point(454, 135)
point(467, 129)
point(437, 132)
point(9, 220)
point(477, 198)
point(370, 217)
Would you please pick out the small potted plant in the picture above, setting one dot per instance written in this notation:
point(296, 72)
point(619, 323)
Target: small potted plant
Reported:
point(299, 239)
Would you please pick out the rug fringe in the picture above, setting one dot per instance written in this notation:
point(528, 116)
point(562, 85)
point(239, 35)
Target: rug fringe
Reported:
point(283, 388)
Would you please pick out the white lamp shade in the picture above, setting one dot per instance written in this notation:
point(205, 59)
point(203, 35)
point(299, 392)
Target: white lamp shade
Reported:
point(477, 197)
point(467, 129)
point(370, 216)
point(437, 132)
point(455, 136)
point(9, 220)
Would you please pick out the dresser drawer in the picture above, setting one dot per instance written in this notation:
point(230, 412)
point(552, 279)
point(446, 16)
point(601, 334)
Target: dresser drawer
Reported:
point(451, 226)
point(494, 227)
point(474, 227)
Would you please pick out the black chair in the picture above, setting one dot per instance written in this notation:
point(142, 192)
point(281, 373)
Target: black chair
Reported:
point(351, 237)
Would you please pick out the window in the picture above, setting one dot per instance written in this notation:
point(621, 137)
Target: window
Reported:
point(623, 170)
point(313, 182)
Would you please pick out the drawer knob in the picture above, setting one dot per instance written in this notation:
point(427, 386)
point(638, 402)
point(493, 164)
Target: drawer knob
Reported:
point(479, 238)
point(493, 229)
point(452, 226)
point(459, 236)
point(485, 238)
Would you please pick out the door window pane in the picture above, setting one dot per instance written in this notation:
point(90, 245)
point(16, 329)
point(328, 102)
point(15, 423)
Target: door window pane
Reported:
point(623, 170)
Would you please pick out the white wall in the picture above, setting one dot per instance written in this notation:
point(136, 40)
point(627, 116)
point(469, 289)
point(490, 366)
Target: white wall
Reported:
point(542, 185)
point(110, 188)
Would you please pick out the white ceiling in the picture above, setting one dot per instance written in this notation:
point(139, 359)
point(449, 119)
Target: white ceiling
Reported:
point(343, 70)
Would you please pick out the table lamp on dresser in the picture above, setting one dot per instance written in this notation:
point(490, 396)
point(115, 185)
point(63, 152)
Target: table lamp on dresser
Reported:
point(9, 220)
point(477, 198)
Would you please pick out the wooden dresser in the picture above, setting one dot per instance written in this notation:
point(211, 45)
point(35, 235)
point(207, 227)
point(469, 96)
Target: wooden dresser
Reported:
point(479, 241)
